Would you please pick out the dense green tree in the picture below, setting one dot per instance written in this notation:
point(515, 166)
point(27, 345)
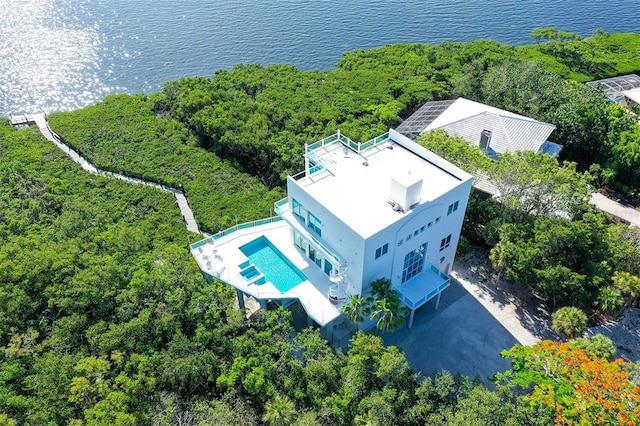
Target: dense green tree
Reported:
point(596, 346)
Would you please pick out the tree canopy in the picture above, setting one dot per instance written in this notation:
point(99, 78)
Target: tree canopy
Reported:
point(105, 317)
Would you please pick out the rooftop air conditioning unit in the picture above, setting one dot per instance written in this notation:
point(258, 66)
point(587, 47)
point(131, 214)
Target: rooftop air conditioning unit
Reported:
point(405, 191)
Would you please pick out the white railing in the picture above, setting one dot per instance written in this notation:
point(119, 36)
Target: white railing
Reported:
point(233, 229)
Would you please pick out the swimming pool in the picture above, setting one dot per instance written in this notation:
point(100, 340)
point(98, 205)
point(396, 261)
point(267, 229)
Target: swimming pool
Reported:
point(273, 264)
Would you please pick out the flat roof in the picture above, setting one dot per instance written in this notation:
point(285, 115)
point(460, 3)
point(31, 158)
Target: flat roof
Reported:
point(356, 186)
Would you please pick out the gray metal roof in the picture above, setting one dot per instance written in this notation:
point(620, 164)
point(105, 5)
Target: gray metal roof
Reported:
point(614, 86)
point(508, 134)
point(466, 118)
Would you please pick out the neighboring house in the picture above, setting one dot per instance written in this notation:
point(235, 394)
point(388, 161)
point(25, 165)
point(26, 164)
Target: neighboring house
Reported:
point(495, 130)
point(615, 87)
point(631, 97)
point(387, 208)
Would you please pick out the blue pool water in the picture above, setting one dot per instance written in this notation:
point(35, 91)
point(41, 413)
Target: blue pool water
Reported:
point(273, 264)
point(251, 274)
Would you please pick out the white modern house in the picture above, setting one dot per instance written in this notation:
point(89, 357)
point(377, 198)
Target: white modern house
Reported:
point(631, 97)
point(387, 208)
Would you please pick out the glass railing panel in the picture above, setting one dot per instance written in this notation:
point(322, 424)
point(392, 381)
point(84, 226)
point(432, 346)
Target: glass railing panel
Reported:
point(316, 169)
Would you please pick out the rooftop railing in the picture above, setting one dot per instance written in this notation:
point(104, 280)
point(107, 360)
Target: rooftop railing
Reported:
point(318, 160)
point(357, 147)
point(233, 229)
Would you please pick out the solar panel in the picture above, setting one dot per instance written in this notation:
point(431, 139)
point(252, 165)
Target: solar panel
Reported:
point(425, 115)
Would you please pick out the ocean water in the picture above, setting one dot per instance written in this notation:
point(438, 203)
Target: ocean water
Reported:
point(65, 54)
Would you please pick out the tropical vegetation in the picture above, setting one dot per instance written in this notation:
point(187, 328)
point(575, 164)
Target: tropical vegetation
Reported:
point(106, 319)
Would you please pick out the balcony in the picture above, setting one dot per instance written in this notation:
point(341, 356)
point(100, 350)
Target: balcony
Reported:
point(422, 288)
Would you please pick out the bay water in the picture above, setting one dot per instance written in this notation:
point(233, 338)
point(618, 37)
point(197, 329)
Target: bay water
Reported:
point(65, 54)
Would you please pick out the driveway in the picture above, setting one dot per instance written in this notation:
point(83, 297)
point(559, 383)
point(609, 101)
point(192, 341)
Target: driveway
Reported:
point(461, 337)
point(613, 207)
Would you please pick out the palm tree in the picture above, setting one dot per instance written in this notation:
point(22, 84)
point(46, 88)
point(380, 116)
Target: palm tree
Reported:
point(570, 322)
point(280, 411)
point(610, 300)
point(389, 313)
point(381, 288)
point(357, 309)
point(629, 286)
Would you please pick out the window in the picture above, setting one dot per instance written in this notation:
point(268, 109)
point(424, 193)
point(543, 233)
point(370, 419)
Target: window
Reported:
point(415, 233)
point(413, 263)
point(446, 242)
point(315, 224)
point(299, 211)
point(452, 207)
point(400, 242)
point(300, 242)
point(422, 229)
point(429, 225)
point(408, 237)
point(437, 219)
point(442, 259)
point(382, 250)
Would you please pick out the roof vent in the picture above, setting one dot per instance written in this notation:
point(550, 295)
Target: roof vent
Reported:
point(485, 139)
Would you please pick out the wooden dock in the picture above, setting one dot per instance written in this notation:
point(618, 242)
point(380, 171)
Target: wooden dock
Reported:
point(22, 120)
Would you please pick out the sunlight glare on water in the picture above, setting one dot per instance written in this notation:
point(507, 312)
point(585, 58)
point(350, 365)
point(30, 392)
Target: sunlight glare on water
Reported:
point(58, 55)
point(47, 57)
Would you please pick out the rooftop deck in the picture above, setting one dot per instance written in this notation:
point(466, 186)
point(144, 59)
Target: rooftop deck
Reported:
point(219, 256)
point(353, 181)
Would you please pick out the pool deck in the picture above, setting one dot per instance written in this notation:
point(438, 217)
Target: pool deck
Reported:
point(222, 258)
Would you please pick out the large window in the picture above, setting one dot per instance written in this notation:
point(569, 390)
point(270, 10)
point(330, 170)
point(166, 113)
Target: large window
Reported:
point(299, 211)
point(413, 263)
point(315, 224)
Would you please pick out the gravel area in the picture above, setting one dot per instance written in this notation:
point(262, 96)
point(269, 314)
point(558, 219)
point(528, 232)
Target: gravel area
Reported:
point(625, 333)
